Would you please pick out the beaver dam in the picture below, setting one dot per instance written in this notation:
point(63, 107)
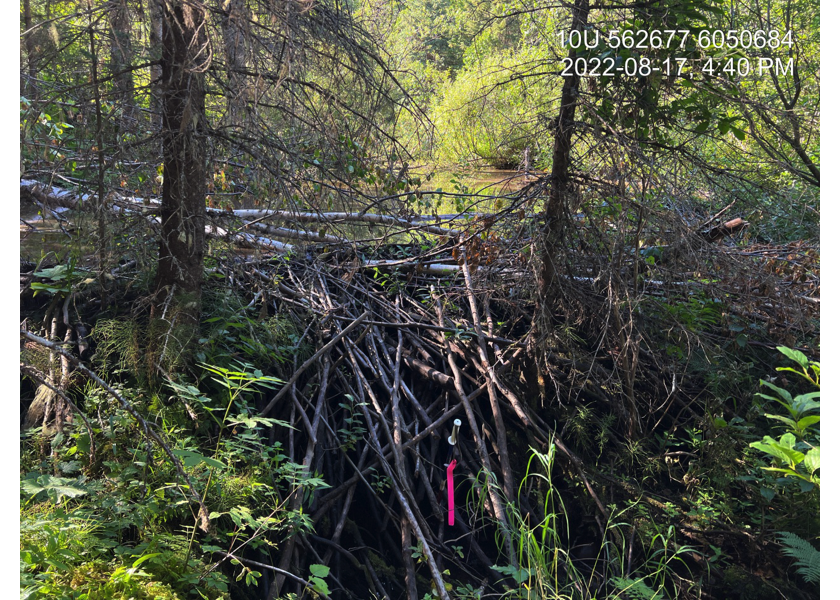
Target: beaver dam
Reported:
point(305, 431)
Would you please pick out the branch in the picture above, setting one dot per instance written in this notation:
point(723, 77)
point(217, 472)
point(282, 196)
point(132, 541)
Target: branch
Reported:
point(311, 360)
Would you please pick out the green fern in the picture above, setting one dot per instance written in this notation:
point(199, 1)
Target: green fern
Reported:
point(634, 589)
point(807, 557)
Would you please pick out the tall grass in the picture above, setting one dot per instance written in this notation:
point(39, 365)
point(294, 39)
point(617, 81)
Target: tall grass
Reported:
point(624, 564)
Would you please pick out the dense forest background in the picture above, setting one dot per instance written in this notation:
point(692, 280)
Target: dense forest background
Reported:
point(421, 299)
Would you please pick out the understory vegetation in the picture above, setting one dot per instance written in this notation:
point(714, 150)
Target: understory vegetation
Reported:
point(402, 300)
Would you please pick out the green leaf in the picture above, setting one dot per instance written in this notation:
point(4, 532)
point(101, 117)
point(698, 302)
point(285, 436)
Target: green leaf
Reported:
point(57, 487)
point(143, 559)
point(635, 588)
point(320, 585)
point(794, 355)
point(60, 566)
point(806, 486)
point(783, 449)
point(812, 460)
point(319, 570)
point(805, 422)
point(251, 422)
point(789, 422)
point(782, 392)
point(787, 441)
point(807, 557)
point(190, 458)
point(805, 403)
point(83, 442)
point(519, 575)
point(212, 462)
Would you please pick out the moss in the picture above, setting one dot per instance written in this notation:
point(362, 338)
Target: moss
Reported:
point(380, 567)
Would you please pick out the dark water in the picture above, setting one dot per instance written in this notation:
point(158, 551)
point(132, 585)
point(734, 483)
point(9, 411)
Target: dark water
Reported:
point(40, 236)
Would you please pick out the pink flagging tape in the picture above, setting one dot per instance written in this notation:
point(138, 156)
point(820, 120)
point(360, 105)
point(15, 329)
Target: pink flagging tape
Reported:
point(450, 484)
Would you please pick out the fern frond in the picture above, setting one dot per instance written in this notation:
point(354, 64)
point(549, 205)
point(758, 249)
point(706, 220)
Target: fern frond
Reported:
point(634, 589)
point(807, 557)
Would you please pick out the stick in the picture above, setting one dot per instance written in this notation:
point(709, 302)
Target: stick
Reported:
point(408, 561)
point(501, 434)
point(313, 427)
point(340, 525)
point(328, 346)
point(335, 217)
point(498, 507)
point(430, 327)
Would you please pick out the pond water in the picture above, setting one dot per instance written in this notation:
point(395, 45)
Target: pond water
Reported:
point(38, 236)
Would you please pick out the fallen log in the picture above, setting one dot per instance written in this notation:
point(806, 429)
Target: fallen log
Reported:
point(248, 239)
point(52, 195)
point(337, 217)
point(294, 234)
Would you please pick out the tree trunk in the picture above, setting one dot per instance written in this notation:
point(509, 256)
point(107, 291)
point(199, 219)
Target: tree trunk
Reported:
point(31, 53)
point(155, 73)
point(562, 189)
point(180, 265)
point(235, 28)
point(121, 55)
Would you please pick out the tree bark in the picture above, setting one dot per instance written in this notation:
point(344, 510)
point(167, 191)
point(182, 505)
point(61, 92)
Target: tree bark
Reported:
point(235, 29)
point(185, 56)
point(102, 230)
point(31, 53)
point(155, 71)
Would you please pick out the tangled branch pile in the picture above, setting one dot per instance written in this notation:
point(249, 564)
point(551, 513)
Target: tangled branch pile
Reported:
point(410, 336)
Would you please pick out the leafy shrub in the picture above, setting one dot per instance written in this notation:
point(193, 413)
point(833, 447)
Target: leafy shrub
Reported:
point(489, 113)
point(796, 454)
point(123, 529)
point(64, 555)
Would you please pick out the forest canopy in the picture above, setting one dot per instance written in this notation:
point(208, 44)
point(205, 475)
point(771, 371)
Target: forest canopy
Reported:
point(419, 299)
